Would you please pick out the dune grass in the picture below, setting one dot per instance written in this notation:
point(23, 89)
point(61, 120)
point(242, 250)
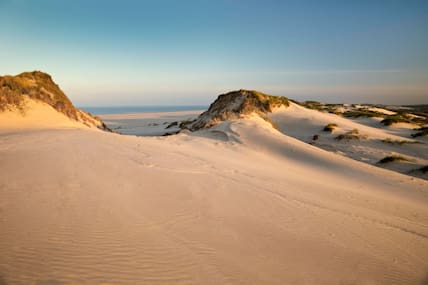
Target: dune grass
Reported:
point(392, 158)
point(322, 107)
point(36, 85)
point(361, 113)
point(398, 142)
point(330, 127)
point(390, 120)
point(351, 135)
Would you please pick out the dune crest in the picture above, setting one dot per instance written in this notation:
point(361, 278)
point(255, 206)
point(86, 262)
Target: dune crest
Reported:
point(236, 104)
point(25, 94)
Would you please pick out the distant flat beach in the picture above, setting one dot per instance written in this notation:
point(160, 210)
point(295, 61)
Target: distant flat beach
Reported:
point(147, 123)
point(141, 109)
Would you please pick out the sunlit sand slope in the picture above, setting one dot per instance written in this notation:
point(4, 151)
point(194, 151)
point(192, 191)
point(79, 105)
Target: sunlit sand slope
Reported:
point(240, 203)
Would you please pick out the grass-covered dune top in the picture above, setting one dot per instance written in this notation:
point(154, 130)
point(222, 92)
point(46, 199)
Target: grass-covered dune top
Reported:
point(39, 86)
point(236, 103)
point(36, 85)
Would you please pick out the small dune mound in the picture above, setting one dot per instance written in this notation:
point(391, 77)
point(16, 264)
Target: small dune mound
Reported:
point(330, 127)
point(351, 135)
point(234, 105)
point(17, 91)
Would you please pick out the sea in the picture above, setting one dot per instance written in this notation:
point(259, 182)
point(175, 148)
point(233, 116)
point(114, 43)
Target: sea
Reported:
point(140, 109)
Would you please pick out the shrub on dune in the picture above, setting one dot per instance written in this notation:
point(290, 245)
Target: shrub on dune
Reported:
point(351, 135)
point(330, 127)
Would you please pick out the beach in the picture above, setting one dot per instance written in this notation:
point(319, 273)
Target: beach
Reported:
point(148, 123)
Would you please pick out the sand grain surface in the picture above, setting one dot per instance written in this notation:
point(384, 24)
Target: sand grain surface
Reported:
point(239, 204)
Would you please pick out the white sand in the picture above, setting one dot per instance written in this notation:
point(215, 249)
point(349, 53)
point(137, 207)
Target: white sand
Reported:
point(36, 115)
point(303, 124)
point(239, 204)
point(381, 110)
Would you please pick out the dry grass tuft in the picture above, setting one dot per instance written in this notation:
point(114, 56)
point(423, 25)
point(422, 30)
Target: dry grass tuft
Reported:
point(392, 158)
point(330, 127)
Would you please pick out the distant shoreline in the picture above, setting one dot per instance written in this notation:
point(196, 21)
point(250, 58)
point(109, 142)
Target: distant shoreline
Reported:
point(141, 109)
point(165, 115)
point(147, 123)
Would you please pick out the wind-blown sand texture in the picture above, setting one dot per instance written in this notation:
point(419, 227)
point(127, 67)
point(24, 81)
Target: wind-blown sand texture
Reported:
point(240, 203)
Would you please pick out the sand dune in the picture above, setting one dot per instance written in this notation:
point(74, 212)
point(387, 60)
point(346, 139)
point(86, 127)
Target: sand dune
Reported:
point(303, 124)
point(37, 115)
point(240, 203)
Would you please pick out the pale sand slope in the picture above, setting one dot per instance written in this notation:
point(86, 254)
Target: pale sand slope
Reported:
point(37, 115)
point(303, 124)
point(239, 204)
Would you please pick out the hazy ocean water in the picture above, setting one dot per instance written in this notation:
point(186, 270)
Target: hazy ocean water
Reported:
point(139, 109)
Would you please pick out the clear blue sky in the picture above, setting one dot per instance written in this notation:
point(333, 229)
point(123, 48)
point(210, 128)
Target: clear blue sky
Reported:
point(186, 52)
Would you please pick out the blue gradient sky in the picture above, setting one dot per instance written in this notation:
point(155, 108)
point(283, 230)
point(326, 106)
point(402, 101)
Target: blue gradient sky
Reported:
point(186, 52)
